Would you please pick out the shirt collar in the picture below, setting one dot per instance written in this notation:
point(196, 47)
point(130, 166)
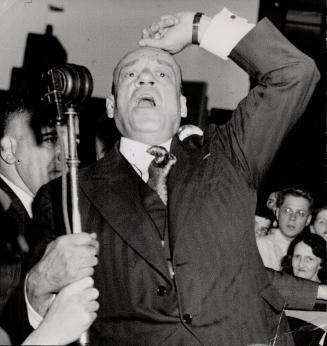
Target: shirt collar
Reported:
point(135, 153)
point(24, 197)
point(283, 241)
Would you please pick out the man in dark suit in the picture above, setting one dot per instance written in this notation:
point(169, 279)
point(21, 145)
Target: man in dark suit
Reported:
point(29, 158)
point(188, 273)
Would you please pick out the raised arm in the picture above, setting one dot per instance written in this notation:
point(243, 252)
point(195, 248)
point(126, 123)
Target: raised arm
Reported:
point(285, 80)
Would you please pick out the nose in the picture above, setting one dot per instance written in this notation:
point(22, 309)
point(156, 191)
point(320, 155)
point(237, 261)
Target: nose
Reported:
point(302, 262)
point(146, 77)
point(293, 216)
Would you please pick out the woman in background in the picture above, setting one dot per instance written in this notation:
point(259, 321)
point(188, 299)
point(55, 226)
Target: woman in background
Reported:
point(306, 258)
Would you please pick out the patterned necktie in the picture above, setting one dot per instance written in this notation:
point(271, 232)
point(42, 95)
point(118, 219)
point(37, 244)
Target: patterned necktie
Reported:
point(159, 169)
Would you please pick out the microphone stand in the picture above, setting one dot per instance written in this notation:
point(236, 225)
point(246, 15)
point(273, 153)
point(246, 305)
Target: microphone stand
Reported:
point(73, 163)
point(73, 84)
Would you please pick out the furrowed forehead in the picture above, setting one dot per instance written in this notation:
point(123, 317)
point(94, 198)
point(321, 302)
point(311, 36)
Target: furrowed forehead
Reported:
point(147, 53)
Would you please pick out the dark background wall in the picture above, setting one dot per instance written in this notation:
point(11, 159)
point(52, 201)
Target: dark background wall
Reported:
point(302, 157)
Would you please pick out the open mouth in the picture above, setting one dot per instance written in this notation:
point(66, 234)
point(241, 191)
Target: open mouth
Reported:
point(146, 101)
point(302, 271)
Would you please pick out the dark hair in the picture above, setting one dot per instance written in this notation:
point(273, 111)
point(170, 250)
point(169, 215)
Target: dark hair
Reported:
point(318, 246)
point(13, 106)
point(264, 211)
point(315, 213)
point(19, 104)
point(296, 193)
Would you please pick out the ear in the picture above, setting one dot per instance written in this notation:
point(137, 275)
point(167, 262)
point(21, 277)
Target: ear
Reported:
point(183, 106)
point(8, 149)
point(110, 106)
point(308, 220)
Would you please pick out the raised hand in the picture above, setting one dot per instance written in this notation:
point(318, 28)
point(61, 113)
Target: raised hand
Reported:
point(171, 32)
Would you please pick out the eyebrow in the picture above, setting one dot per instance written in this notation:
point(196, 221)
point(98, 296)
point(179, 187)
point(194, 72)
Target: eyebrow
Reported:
point(134, 61)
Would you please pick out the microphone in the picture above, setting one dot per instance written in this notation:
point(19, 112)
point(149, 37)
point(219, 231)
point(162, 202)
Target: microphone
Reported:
point(66, 85)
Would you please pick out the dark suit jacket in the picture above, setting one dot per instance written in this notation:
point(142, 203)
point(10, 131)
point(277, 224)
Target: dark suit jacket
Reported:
point(222, 294)
point(15, 221)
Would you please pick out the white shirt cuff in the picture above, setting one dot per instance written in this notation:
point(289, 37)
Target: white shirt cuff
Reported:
point(224, 32)
point(34, 318)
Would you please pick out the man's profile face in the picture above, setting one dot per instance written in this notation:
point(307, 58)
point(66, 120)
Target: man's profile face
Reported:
point(293, 215)
point(271, 201)
point(320, 225)
point(149, 103)
point(38, 162)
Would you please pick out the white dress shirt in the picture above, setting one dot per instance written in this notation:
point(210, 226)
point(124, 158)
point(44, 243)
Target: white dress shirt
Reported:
point(24, 197)
point(135, 153)
point(273, 247)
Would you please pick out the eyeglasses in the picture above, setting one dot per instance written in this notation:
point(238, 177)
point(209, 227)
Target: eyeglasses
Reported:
point(298, 213)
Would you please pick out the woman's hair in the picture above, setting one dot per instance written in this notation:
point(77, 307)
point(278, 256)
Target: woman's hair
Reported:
point(318, 246)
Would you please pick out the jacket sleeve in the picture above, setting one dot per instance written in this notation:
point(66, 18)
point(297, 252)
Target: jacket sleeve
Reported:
point(285, 80)
point(298, 293)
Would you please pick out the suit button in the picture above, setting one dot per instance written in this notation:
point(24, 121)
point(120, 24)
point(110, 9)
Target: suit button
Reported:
point(187, 318)
point(161, 291)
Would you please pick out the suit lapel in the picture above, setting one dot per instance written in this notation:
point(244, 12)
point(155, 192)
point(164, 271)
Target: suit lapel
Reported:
point(181, 187)
point(113, 188)
point(17, 207)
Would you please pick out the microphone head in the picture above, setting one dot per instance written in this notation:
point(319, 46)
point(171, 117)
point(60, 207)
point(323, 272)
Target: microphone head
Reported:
point(66, 85)
point(73, 82)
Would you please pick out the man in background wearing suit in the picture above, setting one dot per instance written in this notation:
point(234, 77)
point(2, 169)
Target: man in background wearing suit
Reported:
point(29, 158)
point(182, 269)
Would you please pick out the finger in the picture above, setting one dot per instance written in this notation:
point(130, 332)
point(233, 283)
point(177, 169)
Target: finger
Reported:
point(85, 262)
point(93, 316)
point(89, 250)
point(84, 272)
point(150, 31)
point(145, 33)
point(168, 21)
point(85, 239)
point(76, 239)
point(79, 285)
point(92, 306)
point(151, 42)
point(90, 294)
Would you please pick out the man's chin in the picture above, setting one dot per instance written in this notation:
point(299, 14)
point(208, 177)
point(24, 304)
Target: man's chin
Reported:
point(148, 125)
